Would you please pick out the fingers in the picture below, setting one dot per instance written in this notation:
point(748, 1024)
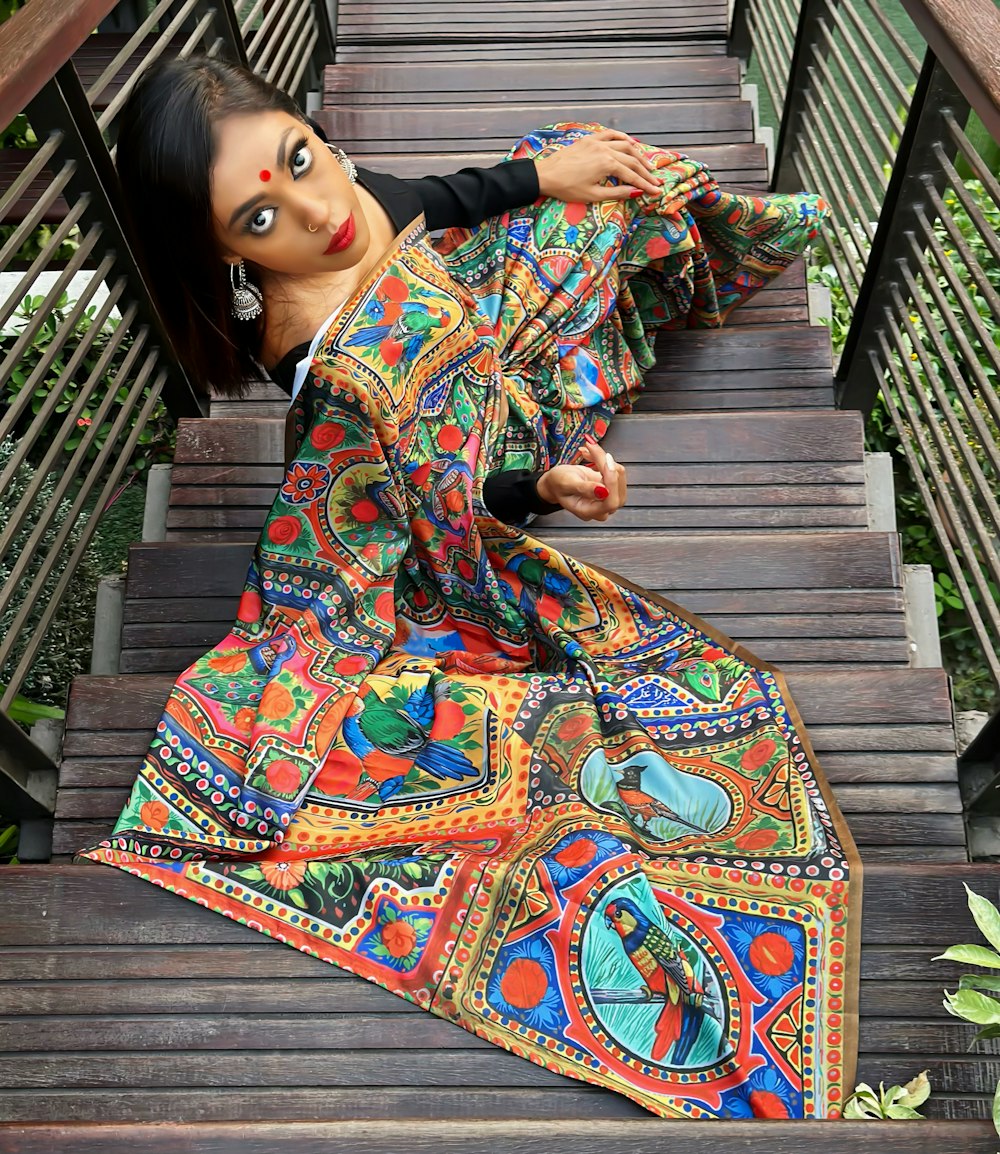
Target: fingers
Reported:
point(631, 171)
point(611, 491)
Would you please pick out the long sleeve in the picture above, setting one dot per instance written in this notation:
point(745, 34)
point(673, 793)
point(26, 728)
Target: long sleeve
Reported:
point(463, 199)
point(511, 495)
point(469, 197)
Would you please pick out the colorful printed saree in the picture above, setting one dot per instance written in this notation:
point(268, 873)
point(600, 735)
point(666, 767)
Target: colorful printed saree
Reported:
point(533, 800)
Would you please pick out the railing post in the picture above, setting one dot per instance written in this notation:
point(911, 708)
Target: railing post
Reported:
point(231, 34)
point(915, 171)
point(804, 54)
point(28, 784)
point(739, 43)
point(62, 106)
point(326, 23)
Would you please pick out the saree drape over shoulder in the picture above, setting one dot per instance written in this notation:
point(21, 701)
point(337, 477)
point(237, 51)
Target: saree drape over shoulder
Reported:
point(540, 803)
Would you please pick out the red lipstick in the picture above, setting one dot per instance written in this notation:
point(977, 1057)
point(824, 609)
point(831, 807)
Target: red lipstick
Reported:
point(343, 237)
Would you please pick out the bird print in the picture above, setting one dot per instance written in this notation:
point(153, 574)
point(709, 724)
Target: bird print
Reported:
point(666, 972)
point(391, 738)
point(643, 806)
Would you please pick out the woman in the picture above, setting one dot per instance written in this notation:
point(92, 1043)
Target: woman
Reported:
point(534, 800)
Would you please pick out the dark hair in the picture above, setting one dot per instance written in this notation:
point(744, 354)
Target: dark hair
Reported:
point(166, 151)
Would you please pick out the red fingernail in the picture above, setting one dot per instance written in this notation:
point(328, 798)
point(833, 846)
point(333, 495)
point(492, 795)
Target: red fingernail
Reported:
point(633, 195)
point(600, 492)
point(591, 440)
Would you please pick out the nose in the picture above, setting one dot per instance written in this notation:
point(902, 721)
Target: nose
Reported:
point(315, 213)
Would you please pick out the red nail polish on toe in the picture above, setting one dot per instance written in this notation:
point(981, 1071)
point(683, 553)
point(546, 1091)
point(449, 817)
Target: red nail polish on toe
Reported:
point(601, 493)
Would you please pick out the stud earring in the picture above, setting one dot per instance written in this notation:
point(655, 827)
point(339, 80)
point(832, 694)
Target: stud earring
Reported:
point(345, 162)
point(248, 302)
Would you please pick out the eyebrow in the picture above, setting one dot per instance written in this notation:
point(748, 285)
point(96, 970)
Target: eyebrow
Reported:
point(255, 200)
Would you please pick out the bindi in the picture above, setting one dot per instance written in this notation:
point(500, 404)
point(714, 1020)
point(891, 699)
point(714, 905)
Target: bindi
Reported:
point(265, 175)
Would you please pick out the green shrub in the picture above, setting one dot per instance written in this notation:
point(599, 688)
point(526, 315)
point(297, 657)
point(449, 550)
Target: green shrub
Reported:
point(156, 441)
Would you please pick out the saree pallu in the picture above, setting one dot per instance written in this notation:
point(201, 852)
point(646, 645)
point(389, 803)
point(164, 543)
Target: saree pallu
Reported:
point(508, 787)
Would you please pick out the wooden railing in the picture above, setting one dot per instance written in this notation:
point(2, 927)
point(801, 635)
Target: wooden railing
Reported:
point(85, 369)
point(904, 146)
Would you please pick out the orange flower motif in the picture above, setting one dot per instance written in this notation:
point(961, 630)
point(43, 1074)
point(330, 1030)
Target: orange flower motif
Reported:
point(758, 755)
point(244, 719)
point(574, 727)
point(276, 702)
point(229, 662)
point(283, 776)
point(154, 814)
point(283, 875)
point(454, 501)
point(756, 840)
point(399, 938)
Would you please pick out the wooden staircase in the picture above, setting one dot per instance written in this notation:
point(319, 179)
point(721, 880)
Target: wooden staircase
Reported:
point(135, 1020)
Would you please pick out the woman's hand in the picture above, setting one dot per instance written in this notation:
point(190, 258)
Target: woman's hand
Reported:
point(590, 491)
point(578, 172)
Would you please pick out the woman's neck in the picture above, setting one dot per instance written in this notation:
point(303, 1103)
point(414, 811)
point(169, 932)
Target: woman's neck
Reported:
point(295, 306)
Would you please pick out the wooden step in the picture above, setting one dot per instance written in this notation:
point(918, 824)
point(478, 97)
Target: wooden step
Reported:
point(883, 737)
point(818, 599)
point(557, 81)
point(664, 50)
point(687, 473)
point(621, 1136)
point(434, 128)
point(734, 165)
point(503, 23)
point(743, 366)
point(126, 1004)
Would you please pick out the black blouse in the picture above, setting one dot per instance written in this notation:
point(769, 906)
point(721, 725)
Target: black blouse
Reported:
point(463, 199)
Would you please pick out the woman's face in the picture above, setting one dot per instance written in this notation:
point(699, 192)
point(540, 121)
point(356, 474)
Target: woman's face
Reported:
point(281, 200)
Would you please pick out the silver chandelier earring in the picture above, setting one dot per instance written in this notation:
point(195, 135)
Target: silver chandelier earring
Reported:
point(248, 302)
point(345, 162)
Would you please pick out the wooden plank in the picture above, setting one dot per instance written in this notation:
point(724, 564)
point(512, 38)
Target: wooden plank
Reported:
point(598, 49)
point(92, 802)
point(692, 473)
point(258, 961)
point(141, 657)
point(815, 561)
point(611, 1136)
point(440, 1104)
point(702, 439)
point(464, 82)
point(732, 164)
point(675, 124)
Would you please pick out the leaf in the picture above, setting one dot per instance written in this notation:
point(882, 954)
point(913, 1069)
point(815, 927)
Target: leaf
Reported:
point(860, 1110)
point(891, 1096)
point(996, 1110)
point(986, 916)
point(900, 1111)
point(918, 1090)
point(987, 1033)
point(973, 1007)
point(970, 956)
point(296, 897)
point(980, 982)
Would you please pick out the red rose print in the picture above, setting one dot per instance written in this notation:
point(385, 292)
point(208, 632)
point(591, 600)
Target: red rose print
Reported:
point(758, 755)
point(283, 776)
point(284, 530)
point(326, 435)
